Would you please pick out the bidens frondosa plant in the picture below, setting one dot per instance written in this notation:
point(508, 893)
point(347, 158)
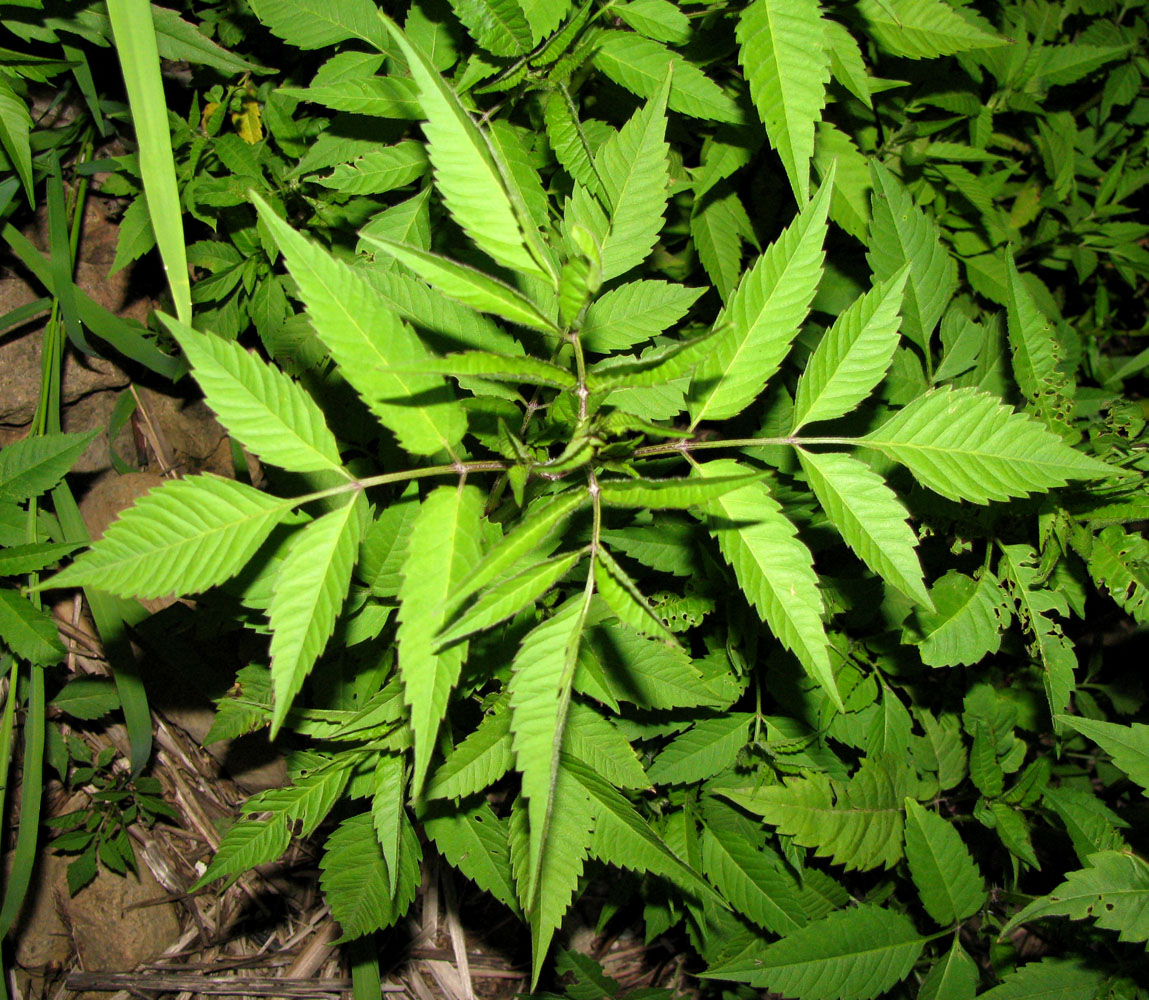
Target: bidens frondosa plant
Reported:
point(578, 548)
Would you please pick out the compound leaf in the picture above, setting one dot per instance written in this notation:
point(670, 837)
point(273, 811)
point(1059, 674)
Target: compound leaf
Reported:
point(1050, 979)
point(632, 165)
point(966, 623)
point(509, 597)
point(309, 590)
point(365, 337)
point(546, 884)
point(1127, 745)
point(968, 445)
point(622, 837)
point(640, 65)
point(499, 26)
point(315, 24)
point(261, 406)
point(902, 235)
point(709, 746)
point(870, 517)
point(854, 954)
point(180, 538)
point(773, 568)
point(467, 284)
point(30, 632)
point(467, 171)
point(634, 312)
point(355, 880)
point(923, 29)
point(755, 881)
point(443, 549)
point(474, 840)
point(783, 53)
point(540, 685)
point(35, 464)
point(762, 317)
point(856, 823)
point(946, 877)
point(479, 761)
point(852, 356)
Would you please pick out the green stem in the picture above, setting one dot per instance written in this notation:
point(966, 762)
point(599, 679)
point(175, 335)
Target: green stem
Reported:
point(686, 445)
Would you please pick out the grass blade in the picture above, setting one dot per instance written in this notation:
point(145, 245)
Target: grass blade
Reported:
point(135, 37)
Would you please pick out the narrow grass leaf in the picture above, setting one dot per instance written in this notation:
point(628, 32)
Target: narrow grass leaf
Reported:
point(135, 37)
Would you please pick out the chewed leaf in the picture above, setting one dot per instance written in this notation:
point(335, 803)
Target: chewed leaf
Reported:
point(181, 538)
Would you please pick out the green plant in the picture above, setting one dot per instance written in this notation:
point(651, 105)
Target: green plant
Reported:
point(727, 676)
point(98, 832)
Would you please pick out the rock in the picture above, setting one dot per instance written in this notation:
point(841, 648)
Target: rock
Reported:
point(103, 923)
point(91, 412)
point(111, 494)
point(20, 369)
